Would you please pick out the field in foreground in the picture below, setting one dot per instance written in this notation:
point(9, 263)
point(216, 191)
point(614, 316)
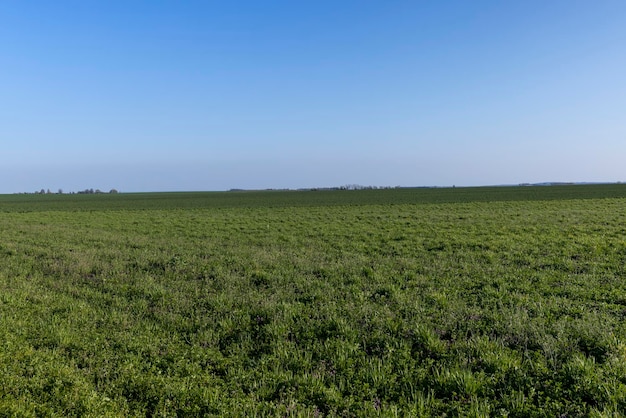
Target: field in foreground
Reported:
point(453, 302)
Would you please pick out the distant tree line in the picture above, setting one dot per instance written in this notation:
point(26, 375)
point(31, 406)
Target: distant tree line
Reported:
point(86, 191)
point(345, 187)
point(354, 187)
point(360, 187)
point(97, 191)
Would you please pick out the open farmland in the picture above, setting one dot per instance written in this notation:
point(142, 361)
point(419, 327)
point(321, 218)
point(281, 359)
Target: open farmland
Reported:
point(405, 302)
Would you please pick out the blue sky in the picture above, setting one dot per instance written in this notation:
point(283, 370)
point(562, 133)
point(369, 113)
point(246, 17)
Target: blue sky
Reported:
point(213, 95)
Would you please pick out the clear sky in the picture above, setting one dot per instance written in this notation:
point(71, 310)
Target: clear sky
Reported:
point(212, 95)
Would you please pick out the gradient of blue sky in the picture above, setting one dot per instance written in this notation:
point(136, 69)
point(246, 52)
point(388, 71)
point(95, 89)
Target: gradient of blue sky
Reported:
point(212, 95)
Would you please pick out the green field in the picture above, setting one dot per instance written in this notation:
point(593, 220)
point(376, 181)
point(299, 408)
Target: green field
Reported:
point(502, 301)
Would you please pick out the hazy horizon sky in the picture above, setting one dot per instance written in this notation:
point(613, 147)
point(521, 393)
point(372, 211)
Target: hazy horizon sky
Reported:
point(213, 95)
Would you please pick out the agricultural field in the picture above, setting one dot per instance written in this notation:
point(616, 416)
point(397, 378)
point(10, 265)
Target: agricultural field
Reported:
point(505, 301)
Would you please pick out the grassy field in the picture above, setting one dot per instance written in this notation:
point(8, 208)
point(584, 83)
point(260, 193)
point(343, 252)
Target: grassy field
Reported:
point(404, 302)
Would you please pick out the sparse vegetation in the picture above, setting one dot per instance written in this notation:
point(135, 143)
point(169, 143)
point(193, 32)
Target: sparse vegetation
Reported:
point(402, 302)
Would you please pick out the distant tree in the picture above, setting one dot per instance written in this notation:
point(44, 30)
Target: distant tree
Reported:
point(113, 191)
point(60, 191)
point(42, 191)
